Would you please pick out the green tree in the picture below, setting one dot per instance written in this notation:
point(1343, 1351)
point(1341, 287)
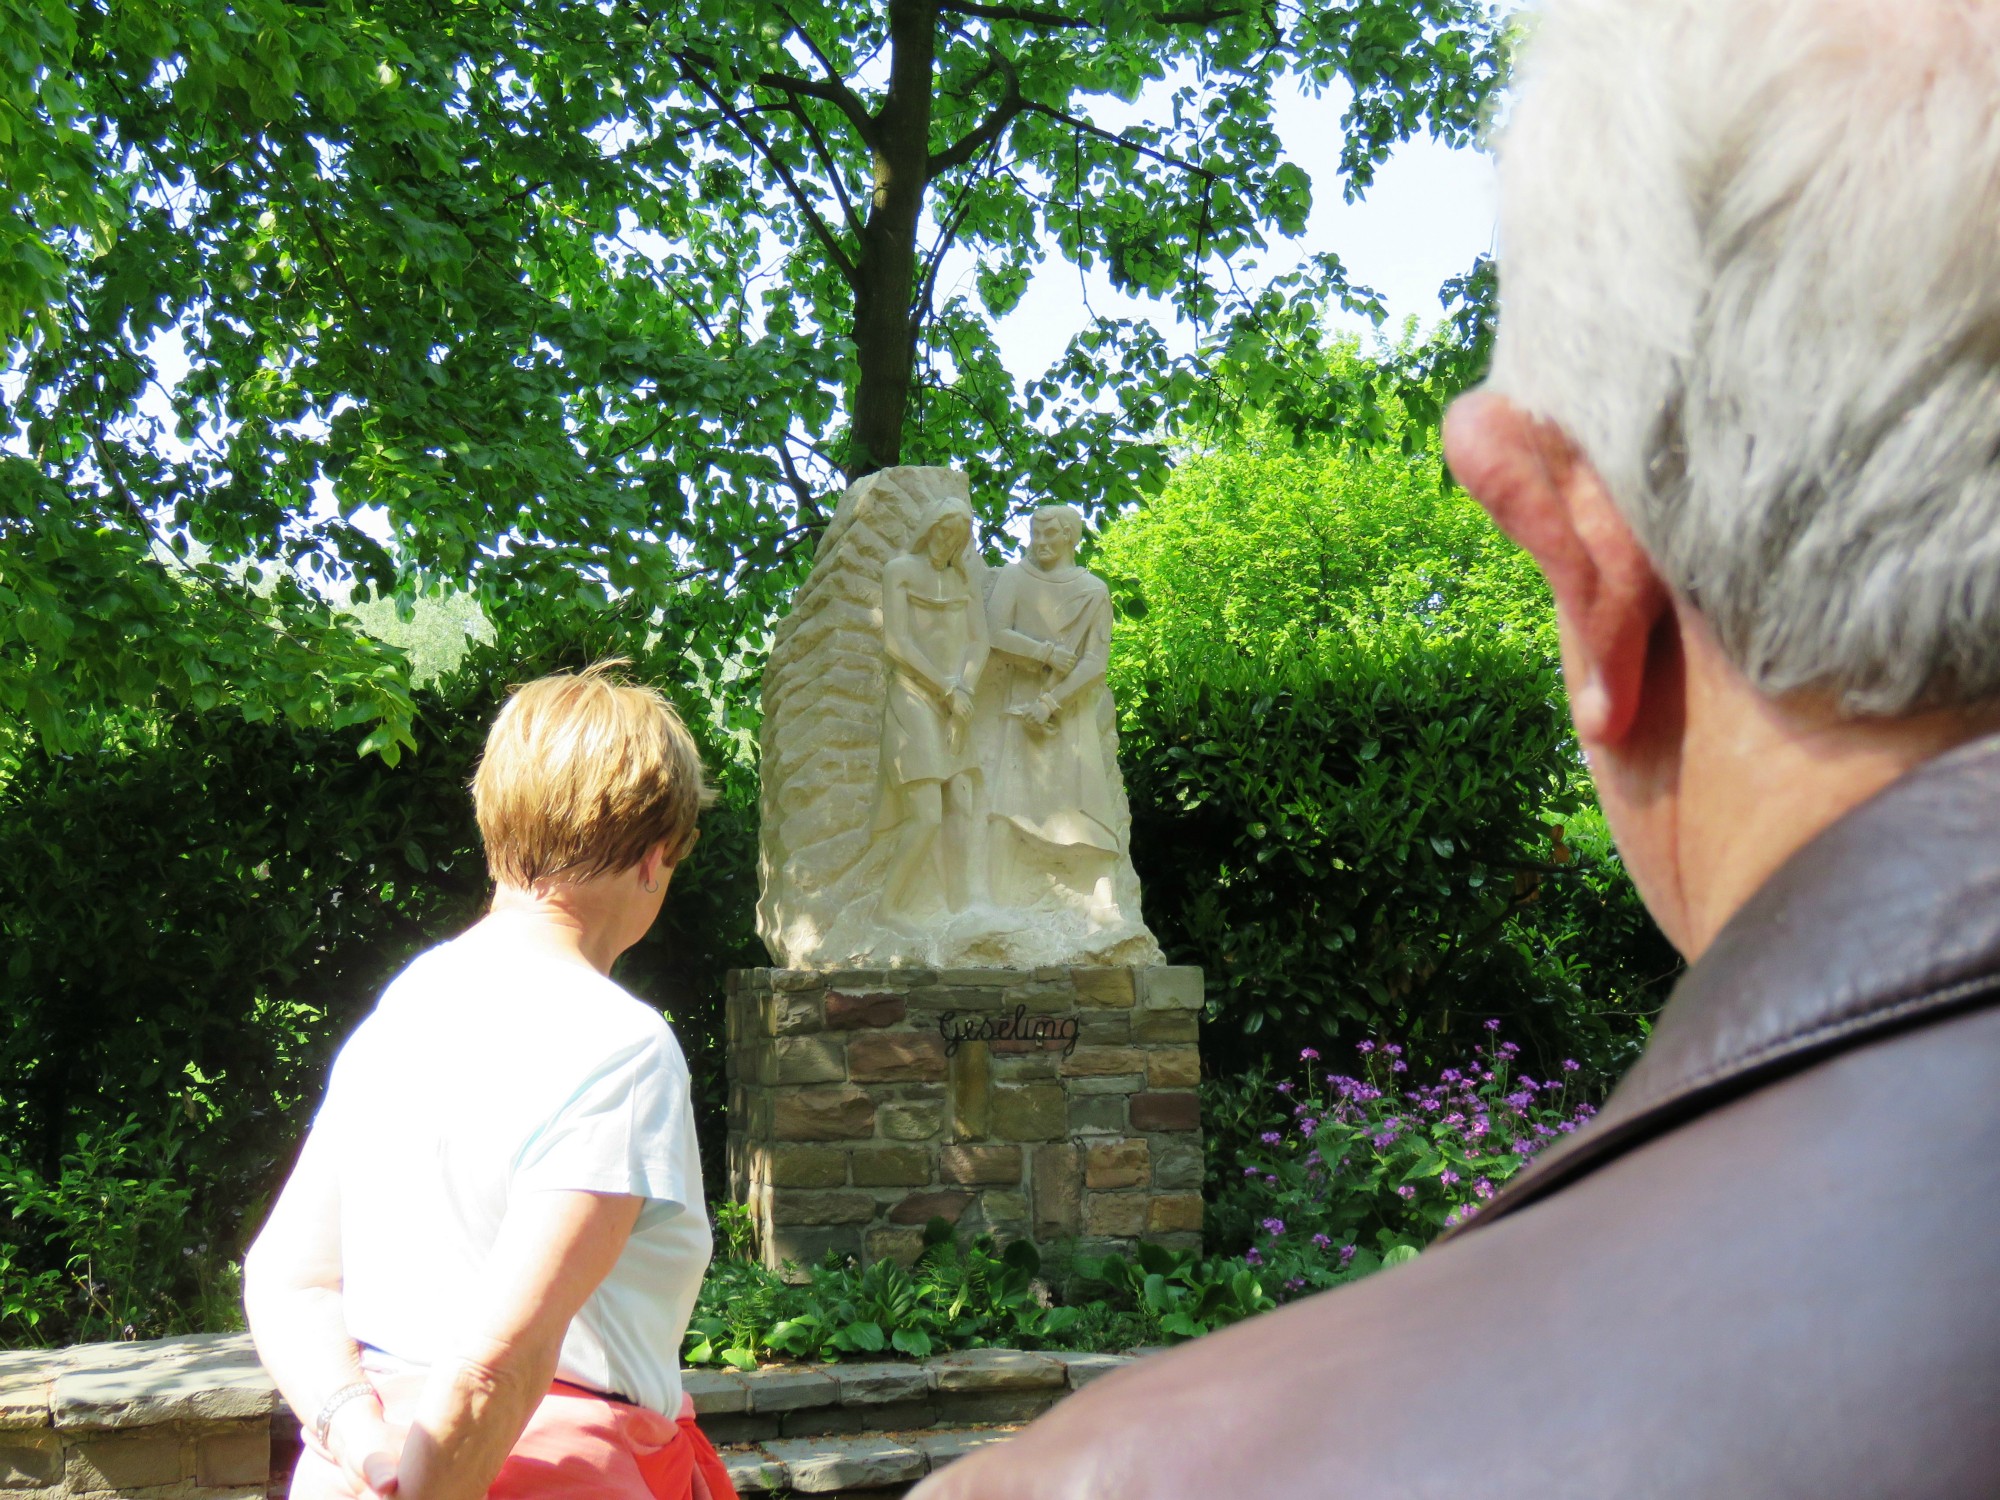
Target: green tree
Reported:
point(1356, 796)
point(589, 302)
point(1260, 547)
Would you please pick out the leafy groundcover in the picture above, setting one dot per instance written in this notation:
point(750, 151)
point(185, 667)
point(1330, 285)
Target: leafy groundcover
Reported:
point(1330, 1178)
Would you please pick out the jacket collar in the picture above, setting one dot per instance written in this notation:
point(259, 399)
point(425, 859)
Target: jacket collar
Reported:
point(1888, 918)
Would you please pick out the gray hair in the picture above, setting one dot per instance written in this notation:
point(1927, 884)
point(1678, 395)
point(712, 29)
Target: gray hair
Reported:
point(1751, 265)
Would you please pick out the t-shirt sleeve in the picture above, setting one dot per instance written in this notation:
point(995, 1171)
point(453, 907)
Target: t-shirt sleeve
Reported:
point(619, 1131)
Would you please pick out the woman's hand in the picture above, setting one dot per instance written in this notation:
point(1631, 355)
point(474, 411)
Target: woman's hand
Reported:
point(365, 1446)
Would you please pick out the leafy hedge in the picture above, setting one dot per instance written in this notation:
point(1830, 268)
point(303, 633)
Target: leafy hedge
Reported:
point(194, 914)
point(1374, 839)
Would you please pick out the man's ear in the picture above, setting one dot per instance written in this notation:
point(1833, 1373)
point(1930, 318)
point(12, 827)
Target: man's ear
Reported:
point(1542, 492)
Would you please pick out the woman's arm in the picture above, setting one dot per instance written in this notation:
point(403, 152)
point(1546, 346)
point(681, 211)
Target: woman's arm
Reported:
point(552, 1251)
point(291, 1296)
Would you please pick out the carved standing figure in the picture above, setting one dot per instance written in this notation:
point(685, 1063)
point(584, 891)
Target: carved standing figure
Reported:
point(1054, 781)
point(934, 633)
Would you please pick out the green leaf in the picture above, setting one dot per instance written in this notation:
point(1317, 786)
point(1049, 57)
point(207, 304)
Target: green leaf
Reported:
point(866, 1336)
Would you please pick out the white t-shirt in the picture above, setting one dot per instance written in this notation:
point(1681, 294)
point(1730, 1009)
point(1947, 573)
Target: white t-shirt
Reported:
point(489, 1069)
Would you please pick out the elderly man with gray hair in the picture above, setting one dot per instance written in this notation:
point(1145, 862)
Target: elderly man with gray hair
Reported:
point(1745, 414)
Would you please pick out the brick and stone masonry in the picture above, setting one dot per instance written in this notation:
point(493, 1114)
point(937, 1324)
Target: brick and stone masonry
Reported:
point(1057, 1106)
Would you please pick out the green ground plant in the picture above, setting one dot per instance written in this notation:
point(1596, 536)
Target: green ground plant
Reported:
point(956, 1296)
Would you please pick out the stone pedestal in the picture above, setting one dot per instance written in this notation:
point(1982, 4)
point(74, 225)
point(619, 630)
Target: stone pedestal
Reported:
point(1054, 1105)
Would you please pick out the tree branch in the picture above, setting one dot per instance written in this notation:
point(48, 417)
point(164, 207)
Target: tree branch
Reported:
point(824, 234)
point(802, 490)
point(1029, 15)
point(834, 92)
point(1034, 15)
point(1084, 127)
point(986, 132)
point(825, 154)
point(947, 235)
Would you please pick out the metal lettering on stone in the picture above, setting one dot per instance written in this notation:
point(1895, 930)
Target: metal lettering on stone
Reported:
point(940, 767)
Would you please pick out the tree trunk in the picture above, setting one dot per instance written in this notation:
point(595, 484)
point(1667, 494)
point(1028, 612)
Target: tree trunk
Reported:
point(887, 264)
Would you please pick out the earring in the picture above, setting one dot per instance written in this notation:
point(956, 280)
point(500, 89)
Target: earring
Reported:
point(651, 887)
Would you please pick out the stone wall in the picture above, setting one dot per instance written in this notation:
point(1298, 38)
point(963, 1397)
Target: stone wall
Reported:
point(1055, 1105)
point(173, 1419)
point(198, 1419)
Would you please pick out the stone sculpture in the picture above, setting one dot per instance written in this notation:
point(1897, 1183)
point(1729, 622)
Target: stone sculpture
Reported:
point(1054, 771)
point(934, 637)
point(940, 774)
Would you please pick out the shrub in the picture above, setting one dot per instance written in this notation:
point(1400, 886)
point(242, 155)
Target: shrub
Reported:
point(195, 913)
point(1372, 840)
point(1346, 1174)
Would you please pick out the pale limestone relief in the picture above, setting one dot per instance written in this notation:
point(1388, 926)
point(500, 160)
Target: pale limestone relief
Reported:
point(940, 773)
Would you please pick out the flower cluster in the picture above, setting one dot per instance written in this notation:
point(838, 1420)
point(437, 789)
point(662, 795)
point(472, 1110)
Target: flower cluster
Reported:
point(1360, 1170)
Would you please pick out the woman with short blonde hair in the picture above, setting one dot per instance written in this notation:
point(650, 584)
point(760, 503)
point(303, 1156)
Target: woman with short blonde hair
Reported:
point(477, 1279)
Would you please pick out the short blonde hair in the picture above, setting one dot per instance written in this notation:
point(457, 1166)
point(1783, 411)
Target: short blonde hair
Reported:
point(583, 772)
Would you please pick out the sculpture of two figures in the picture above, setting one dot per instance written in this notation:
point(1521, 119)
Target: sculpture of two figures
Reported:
point(1045, 634)
point(995, 830)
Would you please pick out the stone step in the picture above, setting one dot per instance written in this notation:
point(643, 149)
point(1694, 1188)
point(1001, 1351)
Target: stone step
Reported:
point(865, 1463)
point(973, 1388)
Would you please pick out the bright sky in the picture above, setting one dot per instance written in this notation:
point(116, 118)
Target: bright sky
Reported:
point(1429, 214)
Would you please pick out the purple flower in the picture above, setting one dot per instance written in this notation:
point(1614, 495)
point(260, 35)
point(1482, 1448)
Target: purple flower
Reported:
point(1252, 1258)
point(1269, 1137)
point(1451, 1075)
point(1509, 1050)
point(1249, 1171)
point(1448, 1177)
point(1274, 1227)
point(1492, 1025)
point(1364, 1048)
point(1406, 1192)
point(1284, 1088)
point(1346, 1255)
point(1309, 1054)
point(1307, 1127)
point(1570, 1065)
point(1322, 1242)
point(1483, 1188)
point(1270, 1179)
point(1399, 1067)
point(1393, 1050)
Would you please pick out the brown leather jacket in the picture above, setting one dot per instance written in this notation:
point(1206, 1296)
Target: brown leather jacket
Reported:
point(1770, 1268)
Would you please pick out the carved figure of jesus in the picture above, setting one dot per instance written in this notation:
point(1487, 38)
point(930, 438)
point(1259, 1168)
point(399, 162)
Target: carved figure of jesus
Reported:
point(1054, 779)
point(934, 634)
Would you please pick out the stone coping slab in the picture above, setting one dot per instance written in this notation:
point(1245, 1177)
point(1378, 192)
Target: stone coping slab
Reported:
point(836, 1465)
point(207, 1378)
